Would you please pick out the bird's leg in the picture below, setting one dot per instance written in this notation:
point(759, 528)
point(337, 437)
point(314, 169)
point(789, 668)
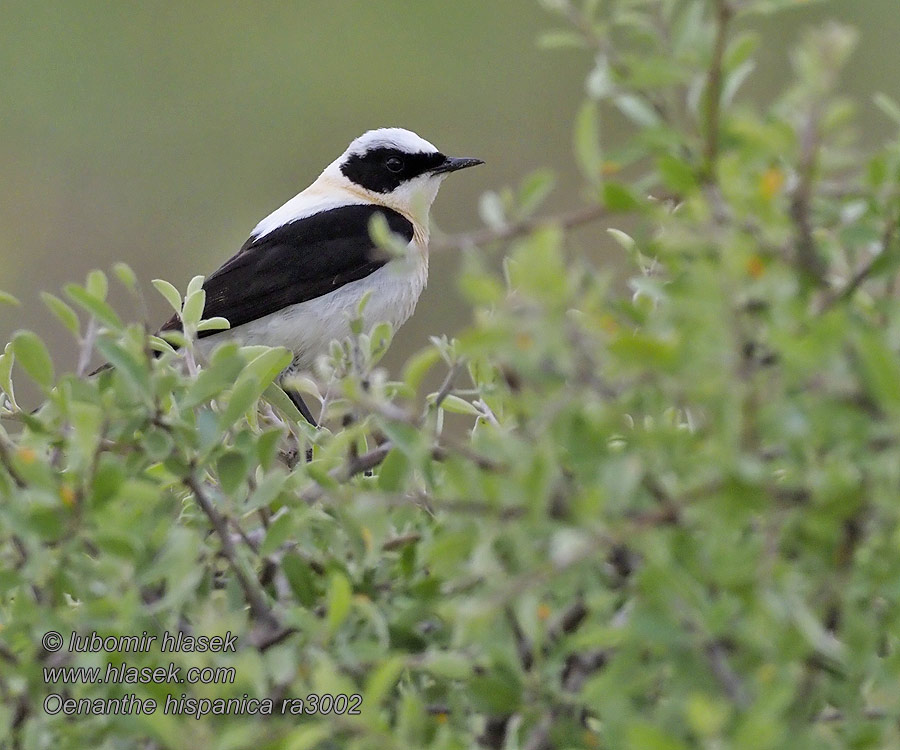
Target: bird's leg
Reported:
point(301, 406)
point(304, 410)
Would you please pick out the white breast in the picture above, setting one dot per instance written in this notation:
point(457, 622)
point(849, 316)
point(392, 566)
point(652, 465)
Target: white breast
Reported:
point(308, 328)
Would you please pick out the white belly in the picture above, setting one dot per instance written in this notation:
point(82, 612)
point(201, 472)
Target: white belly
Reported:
point(308, 328)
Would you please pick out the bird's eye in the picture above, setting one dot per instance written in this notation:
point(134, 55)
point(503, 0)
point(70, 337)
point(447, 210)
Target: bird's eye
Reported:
point(394, 164)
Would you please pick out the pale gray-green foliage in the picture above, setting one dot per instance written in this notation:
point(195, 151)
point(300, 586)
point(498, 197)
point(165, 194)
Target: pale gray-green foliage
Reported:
point(660, 514)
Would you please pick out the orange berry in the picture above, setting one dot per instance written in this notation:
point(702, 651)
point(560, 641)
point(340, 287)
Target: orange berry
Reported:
point(770, 183)
point(67, 495)
point(755, 266)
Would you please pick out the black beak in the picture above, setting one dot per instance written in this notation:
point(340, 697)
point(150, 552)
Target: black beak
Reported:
point(453, 163)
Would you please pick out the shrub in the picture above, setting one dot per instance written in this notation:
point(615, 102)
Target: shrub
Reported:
point(654, 515)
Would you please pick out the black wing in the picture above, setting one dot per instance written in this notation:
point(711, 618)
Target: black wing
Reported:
point(296, 262)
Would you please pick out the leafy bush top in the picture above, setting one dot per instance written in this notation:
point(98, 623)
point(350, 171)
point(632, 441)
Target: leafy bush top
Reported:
point(660, 516)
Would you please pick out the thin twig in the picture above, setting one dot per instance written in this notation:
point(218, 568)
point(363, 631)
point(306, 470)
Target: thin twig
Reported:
point(721, 669)
point(583, 25)
point(517, 229)
point(253, 593)
point(487, 413)
point(858, 278)
point(570, 620)
point(714, 90)
point(807, 256)
point(7, 654)
point(447, 385)
point(401, 541)
point(361, 464)
point(523, 644)
point(493, 736)
point(87, 347)
point(365, 462)
point(869, 714)
point(443, 452)
point(580, 666)
point(355, 465)
point(6, 460)
point(540, 737)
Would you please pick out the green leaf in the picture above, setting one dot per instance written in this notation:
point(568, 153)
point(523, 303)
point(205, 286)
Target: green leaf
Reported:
point(159, 344)
point(135, 371)
point(279, 531)
point(880, 369)
point(588, 153)
point(33, 357)
point(624, 239)
point(255, 379)
point(457, 405)
point(87, 421)
point(319, 474)
point(886, 262)
point(382, 679)
point(193, 307)
point(888, 106)
point(45, 522)
point(108, 478)
point(308, 737)
point(537, 266)
point(209, 384)
point(740, 49)
point(492, 210)
point(231, 468)
point(364, 300)
point(194, 286)
point(451, 666)
point(619, 198)
point(301, 579)
point(171, 294)
point(676, 174)
point(734, 81)
point(418, 366)
point(249, 353)
point(65, 314)
point(638, 110)
point(243, 397)
point(7, 360)
point(97, 284)
point(383, 237)
point(126, 276)
point(642, 350)
point(705, 715)
point(267, 447)
point(393, 471)
point(267, 491)
point(379, 340)
point(338, 602)
point(276, 396)
point(560, 40)
point(94, 305)
point(404, 437)
point(643, 736)
point(497, 691)
point(216, 323)
point(158, 444)
point(481, 288)
point(268, 365)
point(7, 299)
point(600, 83)
point(534, 190)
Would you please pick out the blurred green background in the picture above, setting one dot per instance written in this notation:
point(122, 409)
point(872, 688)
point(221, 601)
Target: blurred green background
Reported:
point(159, 133)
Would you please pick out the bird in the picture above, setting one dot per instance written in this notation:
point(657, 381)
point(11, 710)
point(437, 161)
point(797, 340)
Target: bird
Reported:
point(300, 277)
